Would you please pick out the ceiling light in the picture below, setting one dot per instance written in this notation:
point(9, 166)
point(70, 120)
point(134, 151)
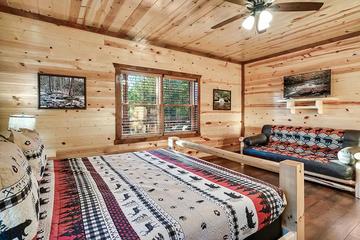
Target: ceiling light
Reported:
point(248, 23)
point(265, 18)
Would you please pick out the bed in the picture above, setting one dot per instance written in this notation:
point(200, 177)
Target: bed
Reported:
point(158, 194)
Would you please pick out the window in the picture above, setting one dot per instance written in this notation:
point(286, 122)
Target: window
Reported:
point(154, 103)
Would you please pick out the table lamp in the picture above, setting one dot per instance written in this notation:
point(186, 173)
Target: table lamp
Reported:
point(22, 121)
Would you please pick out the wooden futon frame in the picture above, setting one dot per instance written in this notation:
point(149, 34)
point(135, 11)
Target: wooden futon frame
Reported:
point(291, 182)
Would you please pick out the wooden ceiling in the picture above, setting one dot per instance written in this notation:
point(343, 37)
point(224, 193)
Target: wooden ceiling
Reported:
point(186, 24)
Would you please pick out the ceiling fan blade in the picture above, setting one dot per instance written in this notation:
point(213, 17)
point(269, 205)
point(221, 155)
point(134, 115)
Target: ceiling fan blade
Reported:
point(227, 21)
point(296, 6)
point(239, 2)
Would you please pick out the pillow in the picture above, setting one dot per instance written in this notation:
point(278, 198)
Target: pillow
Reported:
point(36, 136)
point(5, 134)
point(3, 138)
point(33, 149)
point(347, 155)
point(19, 196)
point(256, 140)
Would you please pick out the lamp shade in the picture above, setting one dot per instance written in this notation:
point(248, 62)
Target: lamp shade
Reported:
point(265, 18)
point(249, 22)
point(22, 121)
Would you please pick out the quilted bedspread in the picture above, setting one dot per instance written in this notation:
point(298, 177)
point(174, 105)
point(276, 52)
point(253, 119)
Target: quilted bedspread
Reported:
point(160, 194)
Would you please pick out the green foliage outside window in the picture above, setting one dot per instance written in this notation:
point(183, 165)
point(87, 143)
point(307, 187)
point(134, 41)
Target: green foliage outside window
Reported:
point(141, 114)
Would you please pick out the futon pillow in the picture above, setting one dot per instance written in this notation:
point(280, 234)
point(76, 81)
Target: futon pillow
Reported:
point(256, 140)
point(30, 143)
point(19, 196)
point(347, 155)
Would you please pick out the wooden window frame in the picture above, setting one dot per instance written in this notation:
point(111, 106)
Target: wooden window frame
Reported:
point(121, 68)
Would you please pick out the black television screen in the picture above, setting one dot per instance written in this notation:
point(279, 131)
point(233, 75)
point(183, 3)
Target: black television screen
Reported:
point(315, 84)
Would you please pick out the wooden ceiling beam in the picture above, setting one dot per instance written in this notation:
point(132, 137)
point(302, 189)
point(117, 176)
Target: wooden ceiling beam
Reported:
point(99, 13)
point(87, 9)
point(74, 10)
point(136, 16)
point(114, 10)
point(60, 22)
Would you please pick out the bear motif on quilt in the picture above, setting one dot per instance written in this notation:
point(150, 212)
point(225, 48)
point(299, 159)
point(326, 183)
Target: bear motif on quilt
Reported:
point(19, 196)
point(30, 143)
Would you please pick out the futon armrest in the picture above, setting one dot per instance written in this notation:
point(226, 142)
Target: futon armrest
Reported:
point(256, 140)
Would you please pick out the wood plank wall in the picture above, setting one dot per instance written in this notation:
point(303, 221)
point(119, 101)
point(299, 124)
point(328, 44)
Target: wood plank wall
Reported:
point(28, 46)
point(264, 86)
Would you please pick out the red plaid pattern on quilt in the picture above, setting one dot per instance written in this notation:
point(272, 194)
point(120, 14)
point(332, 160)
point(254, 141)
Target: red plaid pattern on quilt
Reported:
point(159, 194)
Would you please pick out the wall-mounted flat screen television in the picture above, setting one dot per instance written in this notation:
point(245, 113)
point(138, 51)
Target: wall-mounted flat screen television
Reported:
point(308, 85)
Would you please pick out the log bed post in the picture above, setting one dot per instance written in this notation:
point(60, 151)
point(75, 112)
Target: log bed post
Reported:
point(171, 142)
point(291, 182)
point(357, 179)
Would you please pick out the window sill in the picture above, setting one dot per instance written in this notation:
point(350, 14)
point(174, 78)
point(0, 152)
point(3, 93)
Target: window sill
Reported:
point(155, 138)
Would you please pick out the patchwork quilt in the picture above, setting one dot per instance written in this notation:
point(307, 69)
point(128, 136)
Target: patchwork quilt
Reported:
point(19, 197)
point(160, 194)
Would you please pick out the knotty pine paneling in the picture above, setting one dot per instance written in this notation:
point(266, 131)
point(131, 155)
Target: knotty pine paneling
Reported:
point(187, 25)
point(28, 46)
point(264, 86)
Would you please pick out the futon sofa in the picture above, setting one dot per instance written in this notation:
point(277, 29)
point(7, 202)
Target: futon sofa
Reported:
point(317, 148)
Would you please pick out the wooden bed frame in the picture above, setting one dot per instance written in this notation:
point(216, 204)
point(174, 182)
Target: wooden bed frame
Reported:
point(291, 182)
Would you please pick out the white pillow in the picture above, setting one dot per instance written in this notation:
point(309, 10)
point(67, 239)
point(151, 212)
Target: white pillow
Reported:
point(347, 155)
point(19, 196)
point(357, 156)
point(30, 143)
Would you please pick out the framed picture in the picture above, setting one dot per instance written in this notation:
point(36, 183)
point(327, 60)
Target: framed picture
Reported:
point(221, 99)
point(61, 92)
point(314, 84)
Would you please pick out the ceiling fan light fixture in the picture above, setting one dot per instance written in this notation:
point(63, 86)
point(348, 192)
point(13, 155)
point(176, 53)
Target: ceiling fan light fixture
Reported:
point(265, 18)
point(248, 23)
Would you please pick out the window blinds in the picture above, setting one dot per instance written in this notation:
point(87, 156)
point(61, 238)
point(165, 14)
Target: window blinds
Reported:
point(155, 105)
point(179, 105)
point(140, 110)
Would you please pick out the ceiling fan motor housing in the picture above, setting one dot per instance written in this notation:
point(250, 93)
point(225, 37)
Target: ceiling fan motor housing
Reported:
point(255, 6)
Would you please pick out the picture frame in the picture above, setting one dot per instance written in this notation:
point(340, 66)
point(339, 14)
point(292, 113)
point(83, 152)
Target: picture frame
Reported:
point(308, 85)
point(221, 99)
point(61, 91)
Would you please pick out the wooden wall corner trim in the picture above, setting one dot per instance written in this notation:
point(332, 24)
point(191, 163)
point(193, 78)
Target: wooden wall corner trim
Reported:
point(242, 133)
point(357, 180)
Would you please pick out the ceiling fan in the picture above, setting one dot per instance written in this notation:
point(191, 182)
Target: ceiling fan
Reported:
point(260, 12)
